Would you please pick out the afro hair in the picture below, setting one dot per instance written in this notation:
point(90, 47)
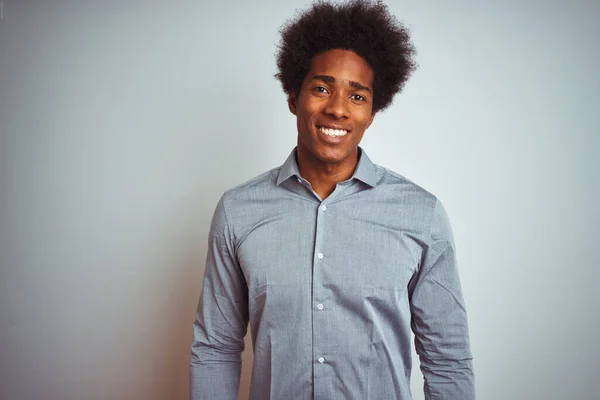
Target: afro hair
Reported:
point(365, 27)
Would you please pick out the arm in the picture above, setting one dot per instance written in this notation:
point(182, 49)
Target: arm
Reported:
point(221, 319)
point(439, 318)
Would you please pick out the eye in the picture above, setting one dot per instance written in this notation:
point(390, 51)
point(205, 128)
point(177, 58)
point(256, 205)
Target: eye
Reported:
point(357, 97)
point(321, 89)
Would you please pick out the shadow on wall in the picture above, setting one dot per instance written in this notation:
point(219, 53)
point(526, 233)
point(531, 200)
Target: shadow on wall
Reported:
point(174, 354)
point(179, 318)
point(217, 175)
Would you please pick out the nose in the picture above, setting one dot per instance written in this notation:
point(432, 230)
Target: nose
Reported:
point(337, 106)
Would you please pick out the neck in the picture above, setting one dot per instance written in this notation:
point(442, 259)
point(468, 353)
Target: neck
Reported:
point(324, 176)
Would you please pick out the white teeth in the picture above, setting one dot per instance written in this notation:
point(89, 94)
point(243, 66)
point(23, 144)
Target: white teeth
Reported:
point(333, 132)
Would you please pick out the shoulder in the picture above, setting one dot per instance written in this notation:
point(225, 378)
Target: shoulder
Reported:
point(421, 204)
point(260, 186)
point(396, 185)
point(238, 198)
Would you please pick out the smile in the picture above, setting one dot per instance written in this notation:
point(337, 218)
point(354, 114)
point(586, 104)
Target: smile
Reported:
point(333, 132)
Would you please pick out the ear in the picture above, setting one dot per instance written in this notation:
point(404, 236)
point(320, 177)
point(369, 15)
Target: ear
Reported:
point(292, 99)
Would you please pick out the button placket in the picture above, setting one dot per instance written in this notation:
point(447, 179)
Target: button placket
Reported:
point(320, 293)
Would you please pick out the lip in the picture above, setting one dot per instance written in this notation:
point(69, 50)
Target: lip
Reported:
point(331, 140)
point(333, 126)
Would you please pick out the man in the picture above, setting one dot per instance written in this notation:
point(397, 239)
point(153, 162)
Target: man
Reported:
point(332, 258)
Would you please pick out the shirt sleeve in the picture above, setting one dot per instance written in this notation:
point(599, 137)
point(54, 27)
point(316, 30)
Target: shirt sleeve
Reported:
point(439, 317)
point(221, 319)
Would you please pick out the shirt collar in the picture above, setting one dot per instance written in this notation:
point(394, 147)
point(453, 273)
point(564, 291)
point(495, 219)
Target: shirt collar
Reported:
point(365, 169)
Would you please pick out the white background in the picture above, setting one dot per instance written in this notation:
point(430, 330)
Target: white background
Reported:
point(122, 124)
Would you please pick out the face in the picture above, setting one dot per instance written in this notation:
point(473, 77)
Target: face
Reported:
point(333, 107)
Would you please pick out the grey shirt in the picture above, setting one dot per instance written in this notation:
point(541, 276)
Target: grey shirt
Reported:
point(332, 290)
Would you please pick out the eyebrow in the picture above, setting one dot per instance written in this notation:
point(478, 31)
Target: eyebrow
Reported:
point(331, 79)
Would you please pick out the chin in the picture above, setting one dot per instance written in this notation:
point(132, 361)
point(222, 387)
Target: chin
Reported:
point(331, 157)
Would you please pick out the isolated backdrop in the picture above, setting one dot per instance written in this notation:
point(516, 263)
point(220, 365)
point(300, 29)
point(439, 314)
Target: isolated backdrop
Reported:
point(123, 122)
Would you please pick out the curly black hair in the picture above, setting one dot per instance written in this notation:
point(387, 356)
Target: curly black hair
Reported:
point(365, 27)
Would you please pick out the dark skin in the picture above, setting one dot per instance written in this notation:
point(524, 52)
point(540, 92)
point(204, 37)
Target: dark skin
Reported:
point(333, 110)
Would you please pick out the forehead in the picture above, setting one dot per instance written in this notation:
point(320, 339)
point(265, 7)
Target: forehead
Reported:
point(343, 65)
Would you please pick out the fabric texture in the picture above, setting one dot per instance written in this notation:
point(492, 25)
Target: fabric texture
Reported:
point(332, 290)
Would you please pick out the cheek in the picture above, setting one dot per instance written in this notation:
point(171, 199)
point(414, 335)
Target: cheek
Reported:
point(366, 120)
point(307, 117)
point(304, 123)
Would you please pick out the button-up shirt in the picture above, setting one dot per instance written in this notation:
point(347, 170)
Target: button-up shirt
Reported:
point(332, 289)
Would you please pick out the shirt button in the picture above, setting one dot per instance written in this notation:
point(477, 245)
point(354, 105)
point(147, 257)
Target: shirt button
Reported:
point(323, 207)
point(320, 306)
point(320, 256)
point(321, 360)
